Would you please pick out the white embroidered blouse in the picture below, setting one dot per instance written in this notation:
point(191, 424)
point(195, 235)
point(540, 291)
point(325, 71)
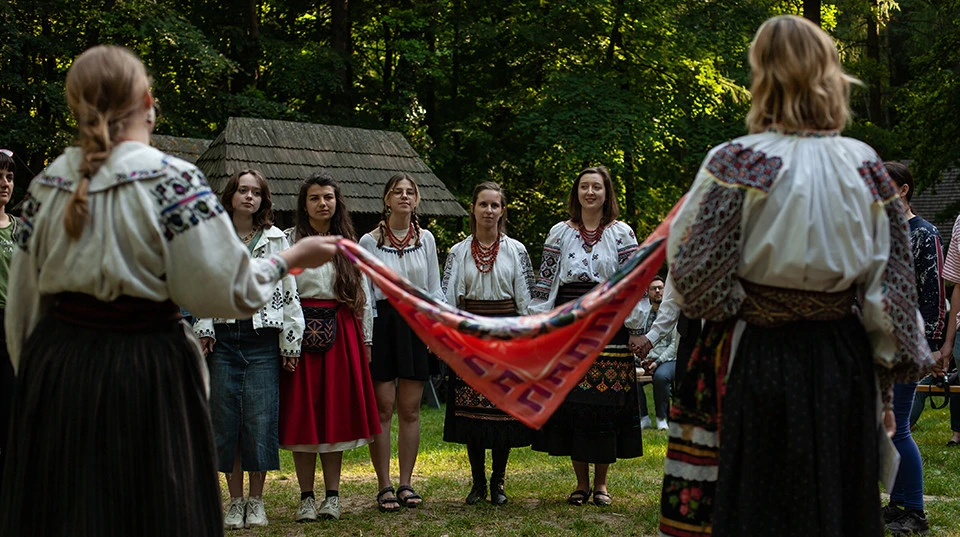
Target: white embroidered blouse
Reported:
point(801, 211)
point(418, 264)
point(510, 278)
point(566, 259)
point(318, 283)
point(282, 311)
point(156, 231)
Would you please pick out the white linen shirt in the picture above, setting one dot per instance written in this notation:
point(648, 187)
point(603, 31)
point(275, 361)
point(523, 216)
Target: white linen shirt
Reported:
point(510, 278)
point(419, 264)
point(282, 311)
point(156, 231)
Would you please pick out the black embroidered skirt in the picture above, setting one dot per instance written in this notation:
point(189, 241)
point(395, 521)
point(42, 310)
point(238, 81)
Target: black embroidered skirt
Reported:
point(470, 417)
point(110, 431)
point(599, 421)
point(798, 451)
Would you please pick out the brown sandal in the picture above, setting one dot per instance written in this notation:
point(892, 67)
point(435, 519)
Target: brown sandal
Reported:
point(601, 498)
point(577, 497)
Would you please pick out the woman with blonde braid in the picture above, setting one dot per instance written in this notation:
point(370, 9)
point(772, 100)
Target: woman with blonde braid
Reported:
point(111, 406)
point(398, 353)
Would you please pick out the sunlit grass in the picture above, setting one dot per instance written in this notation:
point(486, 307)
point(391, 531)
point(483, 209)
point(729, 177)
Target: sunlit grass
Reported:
point(538, 486)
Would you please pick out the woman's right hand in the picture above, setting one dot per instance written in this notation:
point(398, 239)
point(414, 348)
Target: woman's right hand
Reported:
point(206, 345)
point(311, 252)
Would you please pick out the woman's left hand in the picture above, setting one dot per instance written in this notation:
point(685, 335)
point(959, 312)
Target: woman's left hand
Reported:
point(290, 363)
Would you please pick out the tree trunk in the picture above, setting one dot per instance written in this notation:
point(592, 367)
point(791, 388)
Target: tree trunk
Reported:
point(875, 111)
point(341, 37)
point(811, 11)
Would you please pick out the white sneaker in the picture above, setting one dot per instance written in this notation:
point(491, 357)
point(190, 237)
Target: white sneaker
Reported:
point(234, 517)
point(308, 510)
point(256, 514)
point(330, 508)
point(662, 425)
point(645, 422)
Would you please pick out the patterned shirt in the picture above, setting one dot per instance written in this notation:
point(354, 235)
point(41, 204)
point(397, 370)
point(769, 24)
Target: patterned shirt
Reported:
point(928, 263)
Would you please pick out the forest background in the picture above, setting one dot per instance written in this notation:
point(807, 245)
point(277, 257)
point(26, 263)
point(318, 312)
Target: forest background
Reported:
point(523, 92)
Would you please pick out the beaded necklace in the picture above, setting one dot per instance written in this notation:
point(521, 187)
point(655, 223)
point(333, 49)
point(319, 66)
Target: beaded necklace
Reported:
point(484, 256)
point(397, 243)
point(249, 236)
point(590, 238)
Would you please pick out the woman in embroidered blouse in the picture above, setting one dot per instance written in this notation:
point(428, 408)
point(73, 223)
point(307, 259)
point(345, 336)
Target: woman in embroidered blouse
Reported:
point(111, 408)
point(488, 274)
point(599, 421)
point(327, 403)
point(781, 231)
point(245, 359)
point(397, 352)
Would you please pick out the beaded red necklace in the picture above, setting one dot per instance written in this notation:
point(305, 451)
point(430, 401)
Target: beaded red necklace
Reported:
point(397, 243)
point(484, 256)
point(590, 238)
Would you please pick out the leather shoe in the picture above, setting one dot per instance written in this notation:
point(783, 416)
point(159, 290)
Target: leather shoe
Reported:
point(477, 493)
point(497, 495)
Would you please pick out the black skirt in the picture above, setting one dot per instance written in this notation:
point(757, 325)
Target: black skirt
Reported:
point(397, 351)
point(798, 451)
point(599, 420)
point(470, 417)
point(110, 433)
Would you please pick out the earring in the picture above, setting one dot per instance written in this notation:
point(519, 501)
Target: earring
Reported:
point(387, 211)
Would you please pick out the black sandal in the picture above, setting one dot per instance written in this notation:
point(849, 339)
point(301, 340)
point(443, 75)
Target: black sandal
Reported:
point(382, 503)
point(577, 497)
point(601, 498)
point(412, 500)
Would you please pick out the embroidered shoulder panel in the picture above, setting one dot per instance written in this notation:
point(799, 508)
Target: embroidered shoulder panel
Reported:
point(185, 200)
point(705, 266)
point(735, 165)
point(878, 181)
point(22, 233)
point(549, 265)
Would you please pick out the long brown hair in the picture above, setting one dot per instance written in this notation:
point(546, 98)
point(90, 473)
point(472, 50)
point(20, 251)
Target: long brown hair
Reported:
point(105, 86)
point(348, 284)
point(264, 215)
point(610, 208)
point(385, 214)
point(489, 185)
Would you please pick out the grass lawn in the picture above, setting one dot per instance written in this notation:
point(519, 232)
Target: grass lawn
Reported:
point(538, 486)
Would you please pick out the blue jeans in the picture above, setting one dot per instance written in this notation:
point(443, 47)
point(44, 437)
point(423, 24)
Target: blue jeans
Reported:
point(662, 380)
point(245, 397)
point(908, 489)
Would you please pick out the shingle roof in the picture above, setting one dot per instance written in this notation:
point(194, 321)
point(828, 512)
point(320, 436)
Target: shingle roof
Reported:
point(937, 204)
point(188, 149)
point(360, 160)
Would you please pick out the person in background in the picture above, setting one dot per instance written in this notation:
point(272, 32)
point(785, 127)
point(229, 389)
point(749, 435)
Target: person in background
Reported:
point(780, 233)
point(8, 227)
point(399, 361)
point(114, 235)
point(904, 514)
point(488, 274)
point(327, 403)
point(599, 420)
point(661, 359)
point(245, 357)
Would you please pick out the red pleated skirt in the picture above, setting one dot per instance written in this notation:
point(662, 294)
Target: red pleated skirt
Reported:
point(328, 404)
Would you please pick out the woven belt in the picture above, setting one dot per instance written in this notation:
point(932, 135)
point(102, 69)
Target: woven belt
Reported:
point(773, 306)
point(490, 308)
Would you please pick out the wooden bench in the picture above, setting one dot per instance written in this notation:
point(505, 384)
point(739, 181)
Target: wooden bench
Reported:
point(930, 388)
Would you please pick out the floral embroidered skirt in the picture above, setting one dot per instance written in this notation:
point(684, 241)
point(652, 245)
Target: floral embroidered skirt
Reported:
point(796, 453)
point(470, 417)
point(327, 403)
point(599, 421)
